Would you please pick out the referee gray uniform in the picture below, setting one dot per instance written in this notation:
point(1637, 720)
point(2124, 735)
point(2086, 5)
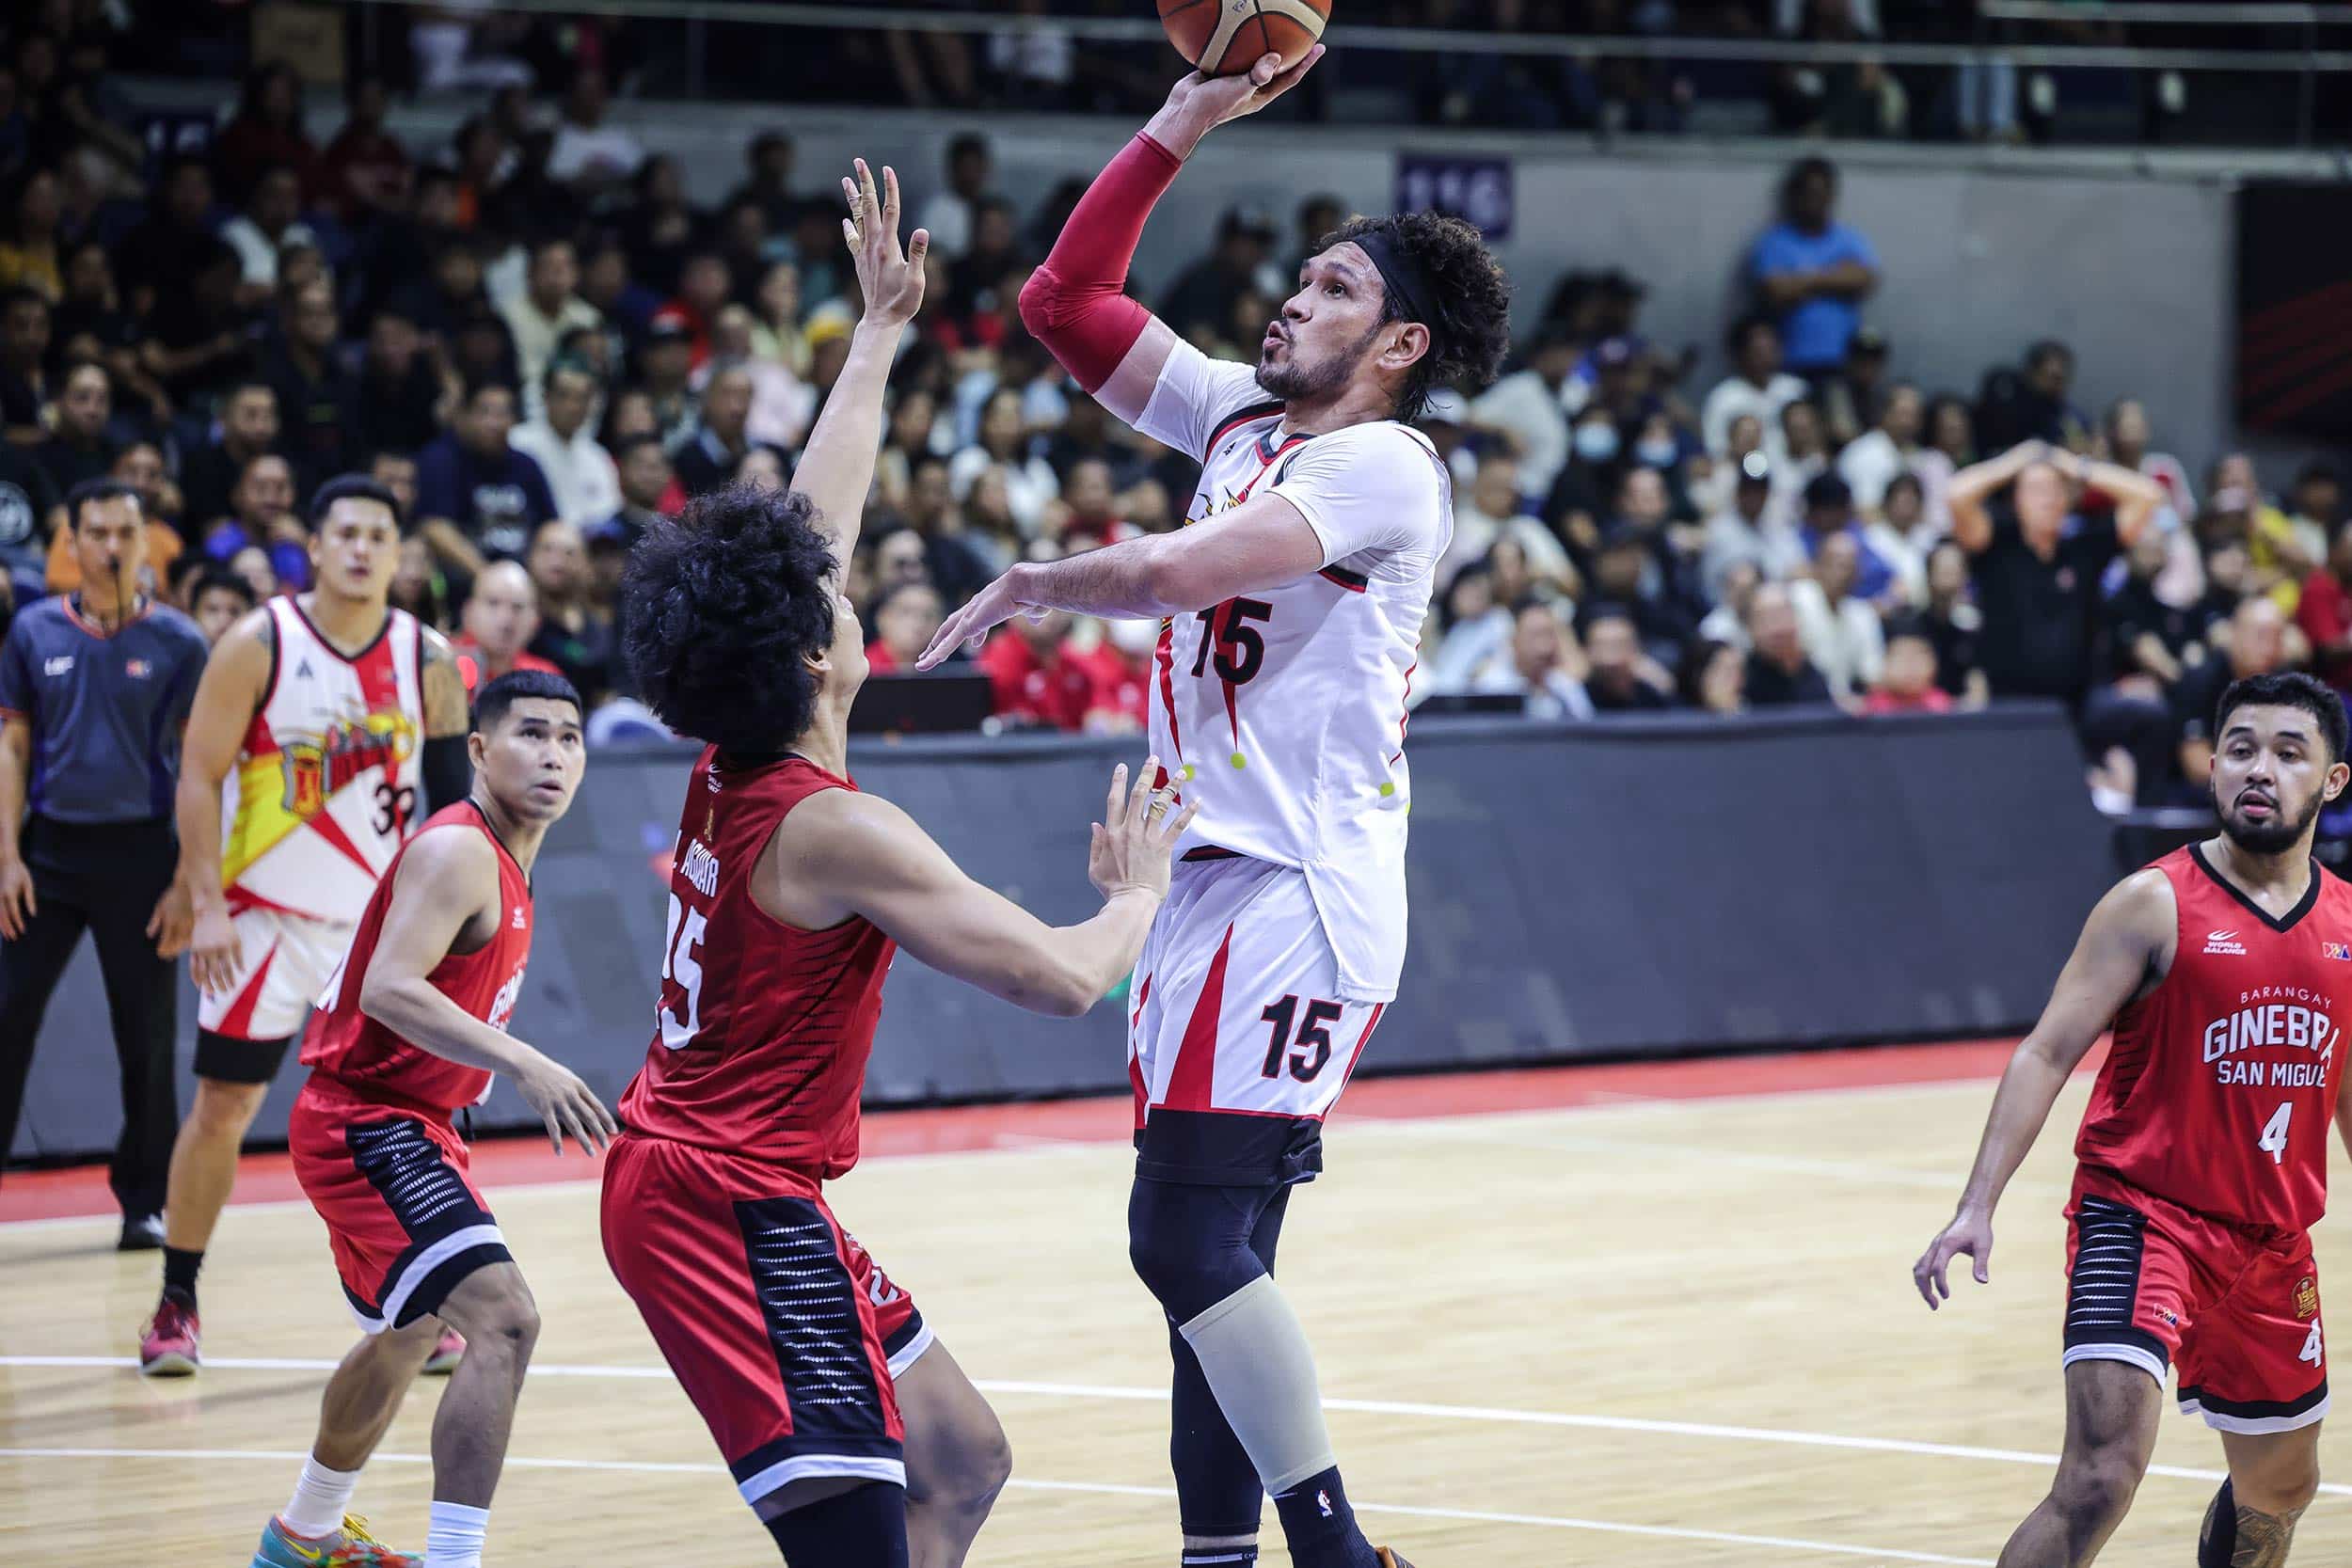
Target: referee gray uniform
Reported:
point(105, 713)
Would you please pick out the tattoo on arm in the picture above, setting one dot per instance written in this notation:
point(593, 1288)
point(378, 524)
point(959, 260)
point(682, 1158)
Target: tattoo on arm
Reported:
point(2263, 1538)
point(446, 711)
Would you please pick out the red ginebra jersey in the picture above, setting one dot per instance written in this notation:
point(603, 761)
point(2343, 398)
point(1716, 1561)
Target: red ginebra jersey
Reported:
point(762, 1031)
point(2220, 1092)
point(347, 1048)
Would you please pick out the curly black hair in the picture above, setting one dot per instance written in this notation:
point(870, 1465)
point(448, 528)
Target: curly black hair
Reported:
point(723, 605)
point(1472, 297)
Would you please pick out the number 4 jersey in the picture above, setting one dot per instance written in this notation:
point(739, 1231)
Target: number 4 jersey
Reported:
point(762, 1030)
point(1281, 714)
point(2219, 1092)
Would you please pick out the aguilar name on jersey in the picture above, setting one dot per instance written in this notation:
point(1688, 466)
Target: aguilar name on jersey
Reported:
point(2219, 1092)
point(326, 783)
point(1281, 714)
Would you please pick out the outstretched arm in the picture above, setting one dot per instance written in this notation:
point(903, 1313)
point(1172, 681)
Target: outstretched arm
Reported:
point(1076, 304)
point(2127, 942)
point(836, 467)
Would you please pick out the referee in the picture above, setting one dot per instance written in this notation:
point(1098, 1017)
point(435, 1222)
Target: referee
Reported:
point(94, 688)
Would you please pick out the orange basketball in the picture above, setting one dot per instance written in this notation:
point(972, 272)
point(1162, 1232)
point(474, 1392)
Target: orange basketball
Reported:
point(1224, 37)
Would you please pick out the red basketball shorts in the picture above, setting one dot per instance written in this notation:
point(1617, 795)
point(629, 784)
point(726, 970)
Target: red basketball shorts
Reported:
point(402, 1215)
point(2149, 1282)
point(786, 1336)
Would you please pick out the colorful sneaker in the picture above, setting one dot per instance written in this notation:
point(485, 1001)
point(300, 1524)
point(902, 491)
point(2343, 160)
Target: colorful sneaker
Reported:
point(351, 1547)
point(1389, 1558)
point(449, 1350)
point(167, 1345)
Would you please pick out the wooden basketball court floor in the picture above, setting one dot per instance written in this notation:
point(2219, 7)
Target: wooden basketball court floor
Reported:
point(1659, 1313)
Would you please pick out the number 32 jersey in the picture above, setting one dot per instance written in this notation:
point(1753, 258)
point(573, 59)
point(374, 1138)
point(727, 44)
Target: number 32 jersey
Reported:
point(327, 779)
point(1281, 714)
point(2219, 1090)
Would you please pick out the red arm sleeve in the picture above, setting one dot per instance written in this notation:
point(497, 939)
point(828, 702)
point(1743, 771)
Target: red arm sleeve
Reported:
point(1073, 304)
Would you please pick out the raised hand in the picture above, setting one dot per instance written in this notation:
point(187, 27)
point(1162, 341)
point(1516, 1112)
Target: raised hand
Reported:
point(1131, 847)
point(1199, 104)
point(890, 279)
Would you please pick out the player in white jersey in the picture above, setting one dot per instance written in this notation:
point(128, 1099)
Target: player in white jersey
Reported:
point(1291, 605)
point(322, 714)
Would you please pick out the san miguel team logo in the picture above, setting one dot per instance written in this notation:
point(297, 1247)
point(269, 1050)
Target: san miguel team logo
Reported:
point(2307, 1298)
point(316, 769)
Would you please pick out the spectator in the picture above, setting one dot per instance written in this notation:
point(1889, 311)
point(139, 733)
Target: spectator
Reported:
point(1491, 510)
point(665, 363)
point(2144, 635)
point(1620, 677)
point(24, 379)
point(930, 510)
point(548, 306)
point(1813, 271)
point(27, 502)
point(1829, 514)
point(905, 616)
point(763, 468)
point(1714, 677)
point(1840, 630)
point(767, 180)
point(177, 233)
point(1754, 530)
point(418, 585)
point(2257, 646)
point(1090, 516)
point(1036, 677)
point(645, 477)
point(406, 387)
point(1541, 663)
point(30, 255)
point(783, 406)
point(1951, 446)
point(588, 154)
point(249, 428)
point(270, 222)
point(1909, 683)
point(1806, 443)
point(318, 399)
point(1728, 623)
point(580, 474)
point(626, 305)
point(2325, 612)
point(949, 214)
point(1955, 625)
point(1757, 386)
point(662, 228)
point(2031, 404)
point(2279, 555)
point(1852, 401)
point(262, 515)
point(1873, 460)
point(397, 472)
point(2128, 436)
point(1778, 671)
point(709, 457)
point(500, 617)
point(216, 598)
point(776, 333)
point(365, 171)
point(1529, 410)
point(2036, 568)
point(1628, 578)
point(252, 565)
point(196, 344)
point(477, 498)
point(1900, 537)
point(2317, 507)
point(79, 449)
point(92, 323)
point(704, 286)
point(1198, 304)
point(575, 632)
point(267, 132)
point(1030, 484)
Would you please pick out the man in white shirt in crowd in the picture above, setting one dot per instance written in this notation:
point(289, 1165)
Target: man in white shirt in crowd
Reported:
point(1494, 510)
point(561, 439)
point(548, 306)
point(1757, 386)
point(1755, 529)
point(1842, 635)
point(272, 220)
point(949, 214)
point(1542, 663)
point(1530, 409)
point(1872, 459)
point(587, 151)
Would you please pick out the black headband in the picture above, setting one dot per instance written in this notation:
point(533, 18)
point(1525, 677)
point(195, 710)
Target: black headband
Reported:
point(1402, 276)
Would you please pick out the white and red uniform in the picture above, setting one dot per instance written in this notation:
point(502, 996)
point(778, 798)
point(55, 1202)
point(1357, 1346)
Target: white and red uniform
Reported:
point(2204, 1157)
point(370, 1132)
point(325, 785)
point(1282, 717)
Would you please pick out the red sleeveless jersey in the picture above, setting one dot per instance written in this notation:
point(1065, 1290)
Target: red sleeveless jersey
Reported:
point(349, 1049)
point(762, 1031)
point(2220, 1092)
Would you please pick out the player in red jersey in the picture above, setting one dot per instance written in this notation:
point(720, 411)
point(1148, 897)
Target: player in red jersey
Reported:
point(2226, 969)
point(849, 1430)
point(410, 1028)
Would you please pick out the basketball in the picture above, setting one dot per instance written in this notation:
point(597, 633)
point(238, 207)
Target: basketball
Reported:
point(1224, 37)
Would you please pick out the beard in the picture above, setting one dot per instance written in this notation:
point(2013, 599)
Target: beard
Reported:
point(1301, 382)
point(2275, 836)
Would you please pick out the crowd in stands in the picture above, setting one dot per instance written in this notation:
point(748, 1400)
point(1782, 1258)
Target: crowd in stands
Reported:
point(536, 340)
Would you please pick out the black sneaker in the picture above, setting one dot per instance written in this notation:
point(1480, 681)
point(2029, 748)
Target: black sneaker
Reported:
point(141, 1233)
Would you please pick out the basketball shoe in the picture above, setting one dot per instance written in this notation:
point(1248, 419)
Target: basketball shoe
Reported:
point(167, 1345)
point(351, 1547)
point(448, 1351)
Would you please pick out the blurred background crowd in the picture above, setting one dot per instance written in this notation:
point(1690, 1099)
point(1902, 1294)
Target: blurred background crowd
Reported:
point(532, 334)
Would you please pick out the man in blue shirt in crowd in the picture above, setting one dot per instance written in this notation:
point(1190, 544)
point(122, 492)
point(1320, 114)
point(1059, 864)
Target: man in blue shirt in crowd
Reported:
point(480, 499)
point(1813, 272)
point(94, 689)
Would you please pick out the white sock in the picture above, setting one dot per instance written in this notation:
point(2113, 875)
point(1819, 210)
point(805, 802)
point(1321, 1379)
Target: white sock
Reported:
point(453, 1538)
point(319, 1500)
